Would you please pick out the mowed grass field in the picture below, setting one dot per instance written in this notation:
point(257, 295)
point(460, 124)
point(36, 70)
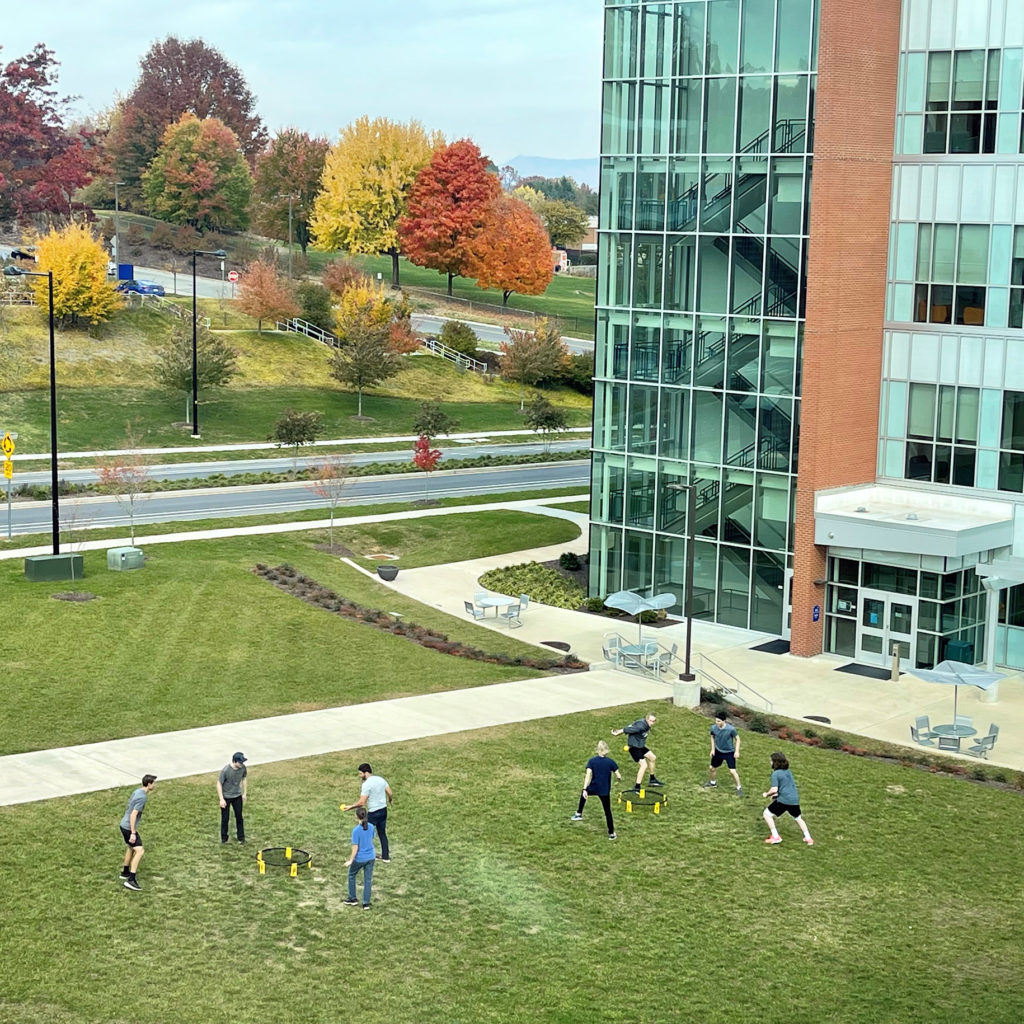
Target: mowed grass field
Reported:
point(195, 638)
point(104, 381)
point(496, 908)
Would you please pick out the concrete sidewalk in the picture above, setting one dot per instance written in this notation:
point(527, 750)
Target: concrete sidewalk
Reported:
point(44, 774)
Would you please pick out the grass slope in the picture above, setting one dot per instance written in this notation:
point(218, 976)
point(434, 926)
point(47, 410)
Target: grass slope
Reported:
point(496, 908)
point(195, 639)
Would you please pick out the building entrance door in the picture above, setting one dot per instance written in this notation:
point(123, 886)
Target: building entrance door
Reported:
point(885, 620)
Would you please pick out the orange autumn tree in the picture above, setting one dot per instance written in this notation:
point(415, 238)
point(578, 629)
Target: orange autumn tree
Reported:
point(512, 251)
point(264, 295)
point(447, 208)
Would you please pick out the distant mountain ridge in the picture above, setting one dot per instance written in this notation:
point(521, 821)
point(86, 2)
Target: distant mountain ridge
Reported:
point(585, 170)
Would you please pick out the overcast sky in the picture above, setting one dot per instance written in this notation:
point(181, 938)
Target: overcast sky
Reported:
point(518, 77)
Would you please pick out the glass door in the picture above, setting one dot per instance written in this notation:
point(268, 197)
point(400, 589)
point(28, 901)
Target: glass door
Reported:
point(787, 605)
point(885, 620)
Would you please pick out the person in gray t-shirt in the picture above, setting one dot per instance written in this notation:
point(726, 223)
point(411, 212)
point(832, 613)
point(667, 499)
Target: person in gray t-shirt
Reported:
point(725, 748)
point(130, 832)
point(785, 800)
point(375, 795)
point(231, 792)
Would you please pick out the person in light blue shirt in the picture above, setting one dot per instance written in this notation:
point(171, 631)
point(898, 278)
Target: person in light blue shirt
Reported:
point(361, 858)
point(785, 800)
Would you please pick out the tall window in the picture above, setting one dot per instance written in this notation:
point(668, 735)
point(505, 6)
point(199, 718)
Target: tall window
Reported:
point(952, 268)
point(1011, 458)
point(942, 434)
point(960, 101)
point(1017, 280)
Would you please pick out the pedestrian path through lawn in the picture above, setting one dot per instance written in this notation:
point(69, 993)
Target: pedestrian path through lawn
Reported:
point(44, 774)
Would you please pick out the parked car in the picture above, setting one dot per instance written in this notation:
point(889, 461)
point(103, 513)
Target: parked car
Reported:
point(142, 287)
point(21, 254)
point(12, 271)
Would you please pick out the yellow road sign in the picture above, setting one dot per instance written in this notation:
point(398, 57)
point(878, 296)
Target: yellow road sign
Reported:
point(8, 468)
point(7, 445)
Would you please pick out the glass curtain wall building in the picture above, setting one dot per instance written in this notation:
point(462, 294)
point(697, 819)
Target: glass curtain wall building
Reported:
point(707, 142)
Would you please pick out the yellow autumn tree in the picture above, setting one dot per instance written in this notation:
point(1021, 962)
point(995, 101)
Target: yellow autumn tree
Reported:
point(81, 291)
point(367, 177)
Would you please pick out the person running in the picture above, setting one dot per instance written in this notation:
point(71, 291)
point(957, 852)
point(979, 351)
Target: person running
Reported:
point(785, 800)
point(130, 831)
point(231, 791)
point(636, 740)
point(375, 795)
point(597, 781)
point(361, 858)
point(725, 746)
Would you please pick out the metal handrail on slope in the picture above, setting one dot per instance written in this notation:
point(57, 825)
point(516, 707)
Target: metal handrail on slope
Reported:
point(300, 326)
point(460, 359)
point(735, 690)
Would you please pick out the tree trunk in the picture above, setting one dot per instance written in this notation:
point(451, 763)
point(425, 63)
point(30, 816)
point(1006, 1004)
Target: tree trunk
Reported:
point(504, 298)
point(259, 326)
point(451, 277)
point(359, 405)
point(394, 269)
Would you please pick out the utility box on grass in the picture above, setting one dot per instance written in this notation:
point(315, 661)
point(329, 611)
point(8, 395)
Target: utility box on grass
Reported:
point(41, 568)
point(120, 559)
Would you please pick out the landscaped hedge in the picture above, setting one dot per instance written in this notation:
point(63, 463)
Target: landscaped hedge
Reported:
point(285, 578)
point(542, 584)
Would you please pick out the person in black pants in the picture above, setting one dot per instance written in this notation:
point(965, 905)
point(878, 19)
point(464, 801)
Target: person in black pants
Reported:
point(597, 781)
point(231, 791)
point(376, 796)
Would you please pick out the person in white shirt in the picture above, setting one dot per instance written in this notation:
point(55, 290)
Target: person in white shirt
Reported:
point(376, 796)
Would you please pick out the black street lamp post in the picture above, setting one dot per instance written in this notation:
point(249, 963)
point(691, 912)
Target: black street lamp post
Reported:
point(54, 497)
point(691, 514)
point(220, 254)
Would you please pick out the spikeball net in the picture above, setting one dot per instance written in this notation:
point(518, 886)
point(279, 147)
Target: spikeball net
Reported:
point(290, 857)
point(651, 799)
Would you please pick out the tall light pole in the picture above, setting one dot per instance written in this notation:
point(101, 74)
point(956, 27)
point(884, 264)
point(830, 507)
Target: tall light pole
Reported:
point(691, 537)
point(54, 498)
point(289, 197)
point(220, 254)
point(117, 218)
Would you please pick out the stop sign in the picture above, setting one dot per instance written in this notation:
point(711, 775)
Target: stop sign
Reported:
point(232, 276)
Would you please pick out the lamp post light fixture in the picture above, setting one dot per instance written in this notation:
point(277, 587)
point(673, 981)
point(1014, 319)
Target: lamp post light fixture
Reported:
point(54, 497)
point(117, 219)
point(687, 676)
point(221, 255)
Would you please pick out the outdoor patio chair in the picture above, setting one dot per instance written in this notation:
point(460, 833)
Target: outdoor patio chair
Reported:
point(610, 647)
point(471, 609)
point(511, 616)
point(993, 731)
point(919, 737)
point(963, 721)
point(524, 600)
point(949, 743)
point(663, 659)
point(480, 595)
point(982, 746)
point(924, 728)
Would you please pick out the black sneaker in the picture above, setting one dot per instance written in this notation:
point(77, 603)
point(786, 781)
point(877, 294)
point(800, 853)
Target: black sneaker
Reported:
point(635, 789)
point(130, 883)
point(242, 842)
point(612, 835)
point(384, 860)
point(351, 903)
point(709, 785)
point(366, 906)
point(653, 781)
point(223, 842)
point(124, 873)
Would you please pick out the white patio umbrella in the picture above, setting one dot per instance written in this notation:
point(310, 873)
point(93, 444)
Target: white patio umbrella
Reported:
point(634, 604)
point(957, 674)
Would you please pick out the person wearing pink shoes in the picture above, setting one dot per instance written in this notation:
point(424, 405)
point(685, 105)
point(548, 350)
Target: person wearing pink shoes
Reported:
point(785, 800)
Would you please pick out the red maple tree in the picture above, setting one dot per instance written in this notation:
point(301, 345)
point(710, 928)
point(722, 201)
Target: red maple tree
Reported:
point(446, 209)
point(512, 251)
point(424, 457)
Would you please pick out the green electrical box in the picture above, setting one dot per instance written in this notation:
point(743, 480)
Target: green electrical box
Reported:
point(960, 650)
point(40, 568)
point(119, 559)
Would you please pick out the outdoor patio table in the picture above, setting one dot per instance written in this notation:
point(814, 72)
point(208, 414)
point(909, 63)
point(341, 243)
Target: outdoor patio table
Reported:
point(954, 730)
point(496, 602)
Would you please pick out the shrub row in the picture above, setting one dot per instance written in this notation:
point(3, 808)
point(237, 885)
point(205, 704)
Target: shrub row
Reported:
point(542, 584)
point(285, 578)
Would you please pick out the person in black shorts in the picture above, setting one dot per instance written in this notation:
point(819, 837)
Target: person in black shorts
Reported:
point(785, 800)
point(725, 748)
point(130, 831)
point(597, 781)
point(636, 741)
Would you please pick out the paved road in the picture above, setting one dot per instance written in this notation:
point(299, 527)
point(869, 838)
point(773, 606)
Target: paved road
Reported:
point(235, 467)
point(219, 502)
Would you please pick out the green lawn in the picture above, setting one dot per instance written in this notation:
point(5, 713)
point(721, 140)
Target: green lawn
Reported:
point(497, 909)
point(419, 542)
point(157, 650)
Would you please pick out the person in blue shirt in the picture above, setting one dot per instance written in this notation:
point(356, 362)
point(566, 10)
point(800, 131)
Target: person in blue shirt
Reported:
point(597, 781)
point(785, 800)
point(725, 748)
point(361, 858)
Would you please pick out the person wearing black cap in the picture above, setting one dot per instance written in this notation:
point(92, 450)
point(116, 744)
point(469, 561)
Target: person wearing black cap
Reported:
point(231, 785)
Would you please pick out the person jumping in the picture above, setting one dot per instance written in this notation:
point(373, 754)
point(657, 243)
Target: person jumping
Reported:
point(636, 740)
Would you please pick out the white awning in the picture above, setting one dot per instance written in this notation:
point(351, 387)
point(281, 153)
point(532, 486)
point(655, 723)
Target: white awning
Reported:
point(912, 521)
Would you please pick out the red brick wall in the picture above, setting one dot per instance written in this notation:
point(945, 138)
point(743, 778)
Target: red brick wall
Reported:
point(858, 55)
